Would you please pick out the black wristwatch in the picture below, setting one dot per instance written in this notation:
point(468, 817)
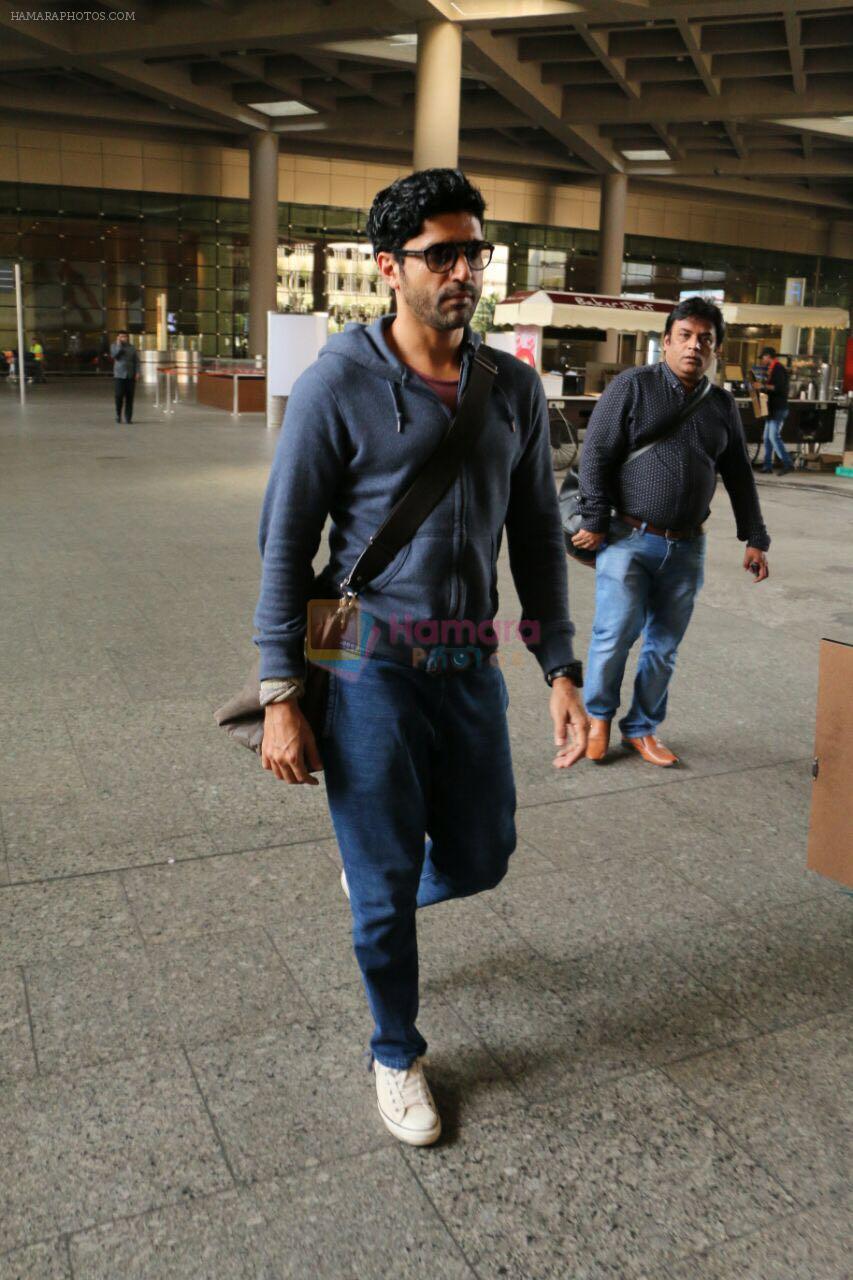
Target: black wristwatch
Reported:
point(574, 670)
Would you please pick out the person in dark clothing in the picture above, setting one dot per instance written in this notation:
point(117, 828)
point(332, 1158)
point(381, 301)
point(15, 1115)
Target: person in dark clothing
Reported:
point(125, 373)
point(650, 562)
point(412, 748)
point(776, 386)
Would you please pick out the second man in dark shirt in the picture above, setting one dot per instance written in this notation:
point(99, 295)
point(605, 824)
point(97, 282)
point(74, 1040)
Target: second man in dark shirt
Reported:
point(651, 553)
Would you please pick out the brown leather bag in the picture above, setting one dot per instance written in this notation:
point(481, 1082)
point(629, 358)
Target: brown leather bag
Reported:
point(243, 716)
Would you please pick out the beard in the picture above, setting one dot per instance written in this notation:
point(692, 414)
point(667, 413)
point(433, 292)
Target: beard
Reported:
point(435, 310)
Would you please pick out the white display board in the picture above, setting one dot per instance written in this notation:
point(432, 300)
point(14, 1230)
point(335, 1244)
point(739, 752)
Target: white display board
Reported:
point(293, 343)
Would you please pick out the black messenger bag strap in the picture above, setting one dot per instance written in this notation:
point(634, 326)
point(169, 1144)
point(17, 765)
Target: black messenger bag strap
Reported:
point(691, 404)
point(432, 481)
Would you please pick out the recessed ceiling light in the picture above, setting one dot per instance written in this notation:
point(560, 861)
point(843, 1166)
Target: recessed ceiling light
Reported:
point(288, 107)
point(654, 154)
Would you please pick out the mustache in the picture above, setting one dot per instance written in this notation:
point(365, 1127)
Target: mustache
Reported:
point(453, 291)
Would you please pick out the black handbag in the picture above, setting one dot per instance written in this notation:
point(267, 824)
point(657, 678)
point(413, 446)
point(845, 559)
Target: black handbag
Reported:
point(242, 717)
point(570, 493)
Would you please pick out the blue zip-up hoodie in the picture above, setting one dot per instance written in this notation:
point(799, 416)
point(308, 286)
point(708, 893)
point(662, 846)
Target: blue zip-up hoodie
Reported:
point(358, 427)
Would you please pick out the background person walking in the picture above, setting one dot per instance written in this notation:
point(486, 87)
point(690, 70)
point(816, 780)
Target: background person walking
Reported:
point(651, 556)
point(776, 385)
point(125, 373)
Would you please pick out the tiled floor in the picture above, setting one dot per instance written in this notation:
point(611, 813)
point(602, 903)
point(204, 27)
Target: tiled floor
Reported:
point(640, 1041)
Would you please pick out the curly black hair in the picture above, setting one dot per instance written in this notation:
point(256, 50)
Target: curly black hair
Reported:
point(698, 308)
point(398, 212)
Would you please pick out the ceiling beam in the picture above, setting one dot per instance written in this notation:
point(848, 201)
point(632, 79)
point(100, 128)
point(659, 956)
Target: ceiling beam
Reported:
point(793, 34)
point(173, 85)
point(691, 34)
point(269, 71)
point(760, 164)
point(759, 191)
point(598, 44)
point(520, 83)
point(730, 127)
point(741, 102)
point(82, 105)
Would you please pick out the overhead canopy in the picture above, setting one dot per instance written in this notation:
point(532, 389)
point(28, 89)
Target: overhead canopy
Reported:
point(803, 317)
point(584, 311)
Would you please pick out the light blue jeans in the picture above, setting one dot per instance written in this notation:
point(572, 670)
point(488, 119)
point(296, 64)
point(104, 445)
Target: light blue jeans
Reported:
point(773, 441)
point(643, 583)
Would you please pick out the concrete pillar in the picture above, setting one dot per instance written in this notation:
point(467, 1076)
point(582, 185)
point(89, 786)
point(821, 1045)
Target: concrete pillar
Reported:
point(263, 236)
point(438, 84)
point(611, 249)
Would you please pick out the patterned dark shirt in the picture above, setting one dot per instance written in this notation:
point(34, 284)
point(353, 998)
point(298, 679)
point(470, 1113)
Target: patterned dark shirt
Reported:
point(671, 485)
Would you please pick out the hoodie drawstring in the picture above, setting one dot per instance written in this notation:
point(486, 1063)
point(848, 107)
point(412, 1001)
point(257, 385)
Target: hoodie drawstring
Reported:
point(398, 404)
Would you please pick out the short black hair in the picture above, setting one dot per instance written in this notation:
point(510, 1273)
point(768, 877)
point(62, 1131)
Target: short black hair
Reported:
point(398, 212)
point(119, 332)
point(769, 351)
point(698, 308)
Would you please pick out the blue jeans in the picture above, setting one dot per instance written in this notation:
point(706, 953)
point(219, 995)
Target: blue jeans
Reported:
point(773, 440)
point(646, 583)
point(408, 755)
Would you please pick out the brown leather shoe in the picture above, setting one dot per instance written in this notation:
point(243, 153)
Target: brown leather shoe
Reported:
point(652, 750)
point(598, 740)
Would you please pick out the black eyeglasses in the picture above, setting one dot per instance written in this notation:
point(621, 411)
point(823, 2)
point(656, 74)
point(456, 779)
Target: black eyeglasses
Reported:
point(442, 256)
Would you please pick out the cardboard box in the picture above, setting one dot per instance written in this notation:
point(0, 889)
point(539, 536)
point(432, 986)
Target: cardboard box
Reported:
point(830, 850)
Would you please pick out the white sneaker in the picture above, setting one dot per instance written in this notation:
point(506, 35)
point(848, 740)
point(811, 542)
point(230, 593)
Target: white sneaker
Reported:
point(406, 1104)
point(344, 884)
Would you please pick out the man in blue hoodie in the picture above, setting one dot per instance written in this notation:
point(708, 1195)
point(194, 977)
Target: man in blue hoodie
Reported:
point(415, 745)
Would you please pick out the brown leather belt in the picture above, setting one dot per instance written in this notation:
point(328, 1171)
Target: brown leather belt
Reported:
point(676, 535)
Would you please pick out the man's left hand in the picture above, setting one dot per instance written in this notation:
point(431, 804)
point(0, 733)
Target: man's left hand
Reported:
point(571, 725)
point(755, 562)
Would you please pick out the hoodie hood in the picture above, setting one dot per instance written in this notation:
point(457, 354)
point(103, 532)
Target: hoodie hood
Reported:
point(365, 345)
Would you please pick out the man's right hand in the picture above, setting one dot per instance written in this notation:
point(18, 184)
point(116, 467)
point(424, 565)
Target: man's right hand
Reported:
point(288, 749)
point(588, 541)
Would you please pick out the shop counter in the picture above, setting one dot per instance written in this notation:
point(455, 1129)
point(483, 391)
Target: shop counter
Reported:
point(238, 392)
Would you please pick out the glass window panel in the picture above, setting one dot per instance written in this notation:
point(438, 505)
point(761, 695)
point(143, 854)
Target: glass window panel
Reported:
point(83, 272)
point(156, 275)
point(38, 199)
point(225, 277)
point(233, 212)
point(81, 317)
point(122, 275)
point(160, 251)
point(8, 244)
point(82, 247)
point(41, 245)
point(44, 295)
point(79, 200)
point(161, 204)
point(121, 204)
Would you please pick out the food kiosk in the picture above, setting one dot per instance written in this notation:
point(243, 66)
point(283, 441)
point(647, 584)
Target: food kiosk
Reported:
point(818, 418)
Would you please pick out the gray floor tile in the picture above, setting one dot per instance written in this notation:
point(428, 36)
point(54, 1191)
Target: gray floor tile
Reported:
point(816, 1245)
point(621, 824)
point(616, 1012)
point(614, 1181)
point(87, 833)
point(95, 1008)
point(573, 912)
point(281, 1228)
point(784, 1097)
point(85, 1148)
point(233, 891)
point(32, 760)
point(40, 920)
point(277, 1099)
point(46, 1261)
point(255, 809)
point(16, 1045)
point(780, 966)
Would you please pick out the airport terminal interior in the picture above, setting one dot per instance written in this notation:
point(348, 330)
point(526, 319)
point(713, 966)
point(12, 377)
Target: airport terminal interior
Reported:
point(640, 1041)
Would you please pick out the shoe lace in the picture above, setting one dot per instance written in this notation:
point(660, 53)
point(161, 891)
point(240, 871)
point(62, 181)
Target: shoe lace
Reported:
point(411, 1086)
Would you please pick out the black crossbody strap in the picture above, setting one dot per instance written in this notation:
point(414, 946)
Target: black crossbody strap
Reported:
point(691, 404)
point(432, 481)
